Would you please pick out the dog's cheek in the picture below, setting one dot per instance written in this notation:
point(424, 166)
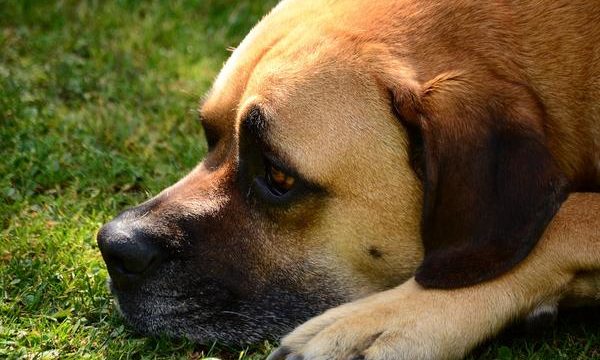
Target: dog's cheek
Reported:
point(366, 245)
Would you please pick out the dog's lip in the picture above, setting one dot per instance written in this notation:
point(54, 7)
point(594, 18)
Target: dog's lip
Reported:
point(146, 313)
point(116, 303)
point(144, 292)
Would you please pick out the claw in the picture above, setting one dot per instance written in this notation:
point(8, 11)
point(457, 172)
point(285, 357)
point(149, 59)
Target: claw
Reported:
point(294, 357)
point(280, 353)
point(357, 357)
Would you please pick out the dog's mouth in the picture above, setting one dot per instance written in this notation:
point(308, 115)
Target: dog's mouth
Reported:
point(171, 313)
point(171, 303)
point(204, 311)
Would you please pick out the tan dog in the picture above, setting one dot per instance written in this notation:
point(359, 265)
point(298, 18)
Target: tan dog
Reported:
point(352, 143)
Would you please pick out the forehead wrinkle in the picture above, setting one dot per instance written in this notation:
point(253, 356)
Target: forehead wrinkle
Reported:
point(255, 122)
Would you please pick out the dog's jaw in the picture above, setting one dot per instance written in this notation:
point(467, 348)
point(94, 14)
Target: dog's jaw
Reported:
point(204, 311)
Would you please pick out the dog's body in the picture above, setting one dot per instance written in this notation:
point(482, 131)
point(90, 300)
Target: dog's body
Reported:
point(351, 142)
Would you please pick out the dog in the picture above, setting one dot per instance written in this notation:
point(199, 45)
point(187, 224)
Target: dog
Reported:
point(405, 158)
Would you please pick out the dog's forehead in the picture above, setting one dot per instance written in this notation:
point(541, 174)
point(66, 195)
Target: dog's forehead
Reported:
point(223, 99)
point(289, 30)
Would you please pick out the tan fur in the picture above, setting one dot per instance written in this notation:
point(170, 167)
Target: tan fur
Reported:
point(322, 69)
point(410, 322)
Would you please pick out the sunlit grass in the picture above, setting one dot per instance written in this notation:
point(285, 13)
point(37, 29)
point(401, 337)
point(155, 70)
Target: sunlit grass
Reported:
point(97, 112)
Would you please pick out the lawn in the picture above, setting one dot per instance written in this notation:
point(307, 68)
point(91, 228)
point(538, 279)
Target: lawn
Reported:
point(97, 113)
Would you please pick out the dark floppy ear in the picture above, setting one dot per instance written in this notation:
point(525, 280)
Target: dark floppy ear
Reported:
point(490, 184)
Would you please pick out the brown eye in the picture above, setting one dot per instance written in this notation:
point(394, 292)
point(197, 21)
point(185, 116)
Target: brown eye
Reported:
point(279, 182)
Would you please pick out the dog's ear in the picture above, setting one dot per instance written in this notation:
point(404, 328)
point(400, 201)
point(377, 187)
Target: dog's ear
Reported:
point(490, 183)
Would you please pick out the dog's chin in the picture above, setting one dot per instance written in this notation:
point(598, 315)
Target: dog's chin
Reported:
point(205, 317)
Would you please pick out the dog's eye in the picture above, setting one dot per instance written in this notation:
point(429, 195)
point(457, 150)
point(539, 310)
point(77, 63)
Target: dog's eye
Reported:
point(277, 185)
point(278, 181)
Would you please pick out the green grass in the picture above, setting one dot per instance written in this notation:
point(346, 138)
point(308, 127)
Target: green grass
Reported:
point(97, 104)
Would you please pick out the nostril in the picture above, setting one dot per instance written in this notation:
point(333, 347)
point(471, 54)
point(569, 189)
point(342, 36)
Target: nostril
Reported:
point(133, 257)
point(129, 254)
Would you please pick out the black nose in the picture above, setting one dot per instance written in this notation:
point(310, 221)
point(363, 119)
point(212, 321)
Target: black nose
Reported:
point(129, 252)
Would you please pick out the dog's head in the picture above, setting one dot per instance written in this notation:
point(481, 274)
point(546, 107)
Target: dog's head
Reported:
point(334, 166)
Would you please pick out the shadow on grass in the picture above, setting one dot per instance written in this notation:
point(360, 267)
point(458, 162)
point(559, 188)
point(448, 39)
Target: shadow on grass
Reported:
point(574, 335)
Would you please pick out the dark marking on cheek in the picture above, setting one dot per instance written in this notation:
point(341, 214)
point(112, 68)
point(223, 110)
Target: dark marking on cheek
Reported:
point(375, 252)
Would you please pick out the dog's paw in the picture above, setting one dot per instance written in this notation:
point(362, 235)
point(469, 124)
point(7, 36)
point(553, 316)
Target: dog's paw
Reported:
point(541, 318)
point(404, 323)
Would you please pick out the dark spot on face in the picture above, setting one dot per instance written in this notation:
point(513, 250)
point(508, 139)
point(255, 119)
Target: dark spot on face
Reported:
point(375, 252)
